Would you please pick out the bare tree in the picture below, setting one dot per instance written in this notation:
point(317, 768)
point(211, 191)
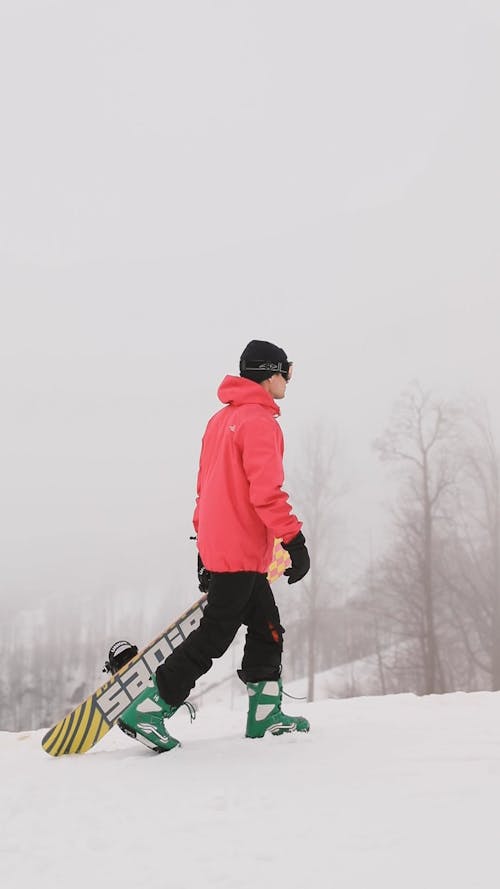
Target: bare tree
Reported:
point(421, 442)
point(317, 494)
point(473, 558)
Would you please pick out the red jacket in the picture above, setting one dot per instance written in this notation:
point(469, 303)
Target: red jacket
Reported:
point(240, 507)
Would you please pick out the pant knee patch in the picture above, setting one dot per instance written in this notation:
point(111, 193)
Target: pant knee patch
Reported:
point(276, 631)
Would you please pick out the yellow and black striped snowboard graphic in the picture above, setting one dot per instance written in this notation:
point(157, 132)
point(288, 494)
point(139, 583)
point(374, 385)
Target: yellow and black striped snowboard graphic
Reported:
point(91, 720)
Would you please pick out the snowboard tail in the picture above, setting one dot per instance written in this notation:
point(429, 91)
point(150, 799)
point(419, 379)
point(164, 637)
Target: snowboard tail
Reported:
point(91, 720)
point(78, 732)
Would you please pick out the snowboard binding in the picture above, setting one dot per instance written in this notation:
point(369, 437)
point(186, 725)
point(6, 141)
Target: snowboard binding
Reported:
point(120, 654)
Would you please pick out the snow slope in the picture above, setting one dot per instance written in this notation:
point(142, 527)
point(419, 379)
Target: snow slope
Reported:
point(397, 792)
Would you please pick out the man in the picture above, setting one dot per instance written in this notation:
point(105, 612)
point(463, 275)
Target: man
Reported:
point(240, 510)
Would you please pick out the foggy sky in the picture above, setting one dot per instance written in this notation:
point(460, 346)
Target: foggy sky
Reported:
point(178, 179)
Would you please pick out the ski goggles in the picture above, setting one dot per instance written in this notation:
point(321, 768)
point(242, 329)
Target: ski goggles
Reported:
point(285, 368)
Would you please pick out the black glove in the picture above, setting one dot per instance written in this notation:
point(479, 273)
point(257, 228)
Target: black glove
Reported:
point(203, 576)
point(299, 556)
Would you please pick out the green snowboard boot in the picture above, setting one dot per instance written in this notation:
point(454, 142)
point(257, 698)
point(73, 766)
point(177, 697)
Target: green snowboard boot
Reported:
point(145, 719)
point(264, 711)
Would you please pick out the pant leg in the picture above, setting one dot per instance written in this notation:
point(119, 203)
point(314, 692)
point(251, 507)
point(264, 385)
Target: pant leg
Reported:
point(227, 603)
point(264, 638)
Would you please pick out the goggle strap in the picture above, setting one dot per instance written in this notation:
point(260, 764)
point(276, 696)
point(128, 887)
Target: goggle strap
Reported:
point(278, 367)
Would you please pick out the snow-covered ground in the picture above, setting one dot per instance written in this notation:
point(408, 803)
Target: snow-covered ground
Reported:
point(397, 793)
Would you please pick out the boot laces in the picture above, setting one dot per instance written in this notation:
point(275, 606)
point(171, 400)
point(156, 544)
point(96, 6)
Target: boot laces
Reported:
point(293, 697)
point(190, 708)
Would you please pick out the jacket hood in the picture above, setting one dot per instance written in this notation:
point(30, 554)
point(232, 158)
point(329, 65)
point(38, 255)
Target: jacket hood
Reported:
point(238, 390)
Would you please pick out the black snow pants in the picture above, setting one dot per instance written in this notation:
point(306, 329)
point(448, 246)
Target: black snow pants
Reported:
point(242, 597)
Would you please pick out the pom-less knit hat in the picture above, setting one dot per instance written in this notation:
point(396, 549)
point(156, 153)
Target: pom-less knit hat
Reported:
point(260, 360)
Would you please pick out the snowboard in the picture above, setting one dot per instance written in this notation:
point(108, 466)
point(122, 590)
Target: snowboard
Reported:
point(93, 718)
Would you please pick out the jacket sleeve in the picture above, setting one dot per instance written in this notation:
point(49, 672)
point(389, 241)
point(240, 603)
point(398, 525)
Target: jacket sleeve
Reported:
point(262, 455)
point(196, 521)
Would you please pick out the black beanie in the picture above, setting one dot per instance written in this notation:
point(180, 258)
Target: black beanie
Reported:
point(260, 352)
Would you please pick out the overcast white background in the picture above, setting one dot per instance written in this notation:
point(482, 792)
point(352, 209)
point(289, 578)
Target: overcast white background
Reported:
point(179, 178)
